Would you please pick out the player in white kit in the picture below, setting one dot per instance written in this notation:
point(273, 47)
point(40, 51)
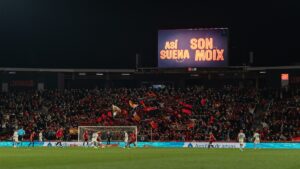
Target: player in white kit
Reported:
point(125, 139)
point(241, 139)
point(94, 140)
point(256, 137)
point(41, 139)
point(15, 138)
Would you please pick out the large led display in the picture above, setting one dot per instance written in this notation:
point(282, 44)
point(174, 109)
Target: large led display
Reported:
point(193, 48)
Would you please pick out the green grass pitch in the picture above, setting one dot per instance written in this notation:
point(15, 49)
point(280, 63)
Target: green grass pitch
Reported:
point(147, 158)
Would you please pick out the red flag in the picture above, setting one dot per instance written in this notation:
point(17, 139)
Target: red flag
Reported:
point(99, 119)
point(151, 94)
point(186, 105)
point(109, 114)
point(187, 111)
point(203, 101)
point(147, 109)
point(142, 103)
point(125, 112)
point(103, 116)
point(153, 125)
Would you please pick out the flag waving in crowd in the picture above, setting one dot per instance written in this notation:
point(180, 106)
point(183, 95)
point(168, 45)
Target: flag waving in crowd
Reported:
point(186, 108)
point(116, 110)
point(132, 104)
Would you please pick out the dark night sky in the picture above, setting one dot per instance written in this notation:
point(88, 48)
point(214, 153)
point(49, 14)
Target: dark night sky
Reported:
point(108, 34)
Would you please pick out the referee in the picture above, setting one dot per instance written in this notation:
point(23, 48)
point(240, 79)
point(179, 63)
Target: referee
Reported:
point(21, 133)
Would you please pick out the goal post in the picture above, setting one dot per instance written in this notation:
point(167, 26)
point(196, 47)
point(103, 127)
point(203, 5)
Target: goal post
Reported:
point(116, 132)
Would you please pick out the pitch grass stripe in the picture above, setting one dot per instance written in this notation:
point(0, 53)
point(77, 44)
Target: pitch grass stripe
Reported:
point(146, 158)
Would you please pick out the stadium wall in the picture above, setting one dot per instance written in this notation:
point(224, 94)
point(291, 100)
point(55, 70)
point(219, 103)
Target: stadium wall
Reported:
point(268, 145)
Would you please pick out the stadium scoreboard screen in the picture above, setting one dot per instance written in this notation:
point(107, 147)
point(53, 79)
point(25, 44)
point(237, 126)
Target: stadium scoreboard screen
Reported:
point(193, 48)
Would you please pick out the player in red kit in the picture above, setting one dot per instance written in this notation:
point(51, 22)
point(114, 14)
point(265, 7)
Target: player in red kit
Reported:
point(211, 139)
point(31, 138)
point(59, 136)
point(132, 140)
point(86, 138)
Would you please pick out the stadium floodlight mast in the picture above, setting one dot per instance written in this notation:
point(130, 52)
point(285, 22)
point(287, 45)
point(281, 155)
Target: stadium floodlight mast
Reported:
point(117, 132)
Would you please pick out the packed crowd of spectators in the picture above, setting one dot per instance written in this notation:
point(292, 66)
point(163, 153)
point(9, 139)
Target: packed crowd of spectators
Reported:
point(167, 114)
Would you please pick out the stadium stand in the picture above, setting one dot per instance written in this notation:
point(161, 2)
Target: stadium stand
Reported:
point(169, 114)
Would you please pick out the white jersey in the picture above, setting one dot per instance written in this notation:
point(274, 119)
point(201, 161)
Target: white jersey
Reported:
point(256, 137)
point(40, 137)
point(16, 136)
point(126, 138)
point(241, 137)
point(94, 136)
